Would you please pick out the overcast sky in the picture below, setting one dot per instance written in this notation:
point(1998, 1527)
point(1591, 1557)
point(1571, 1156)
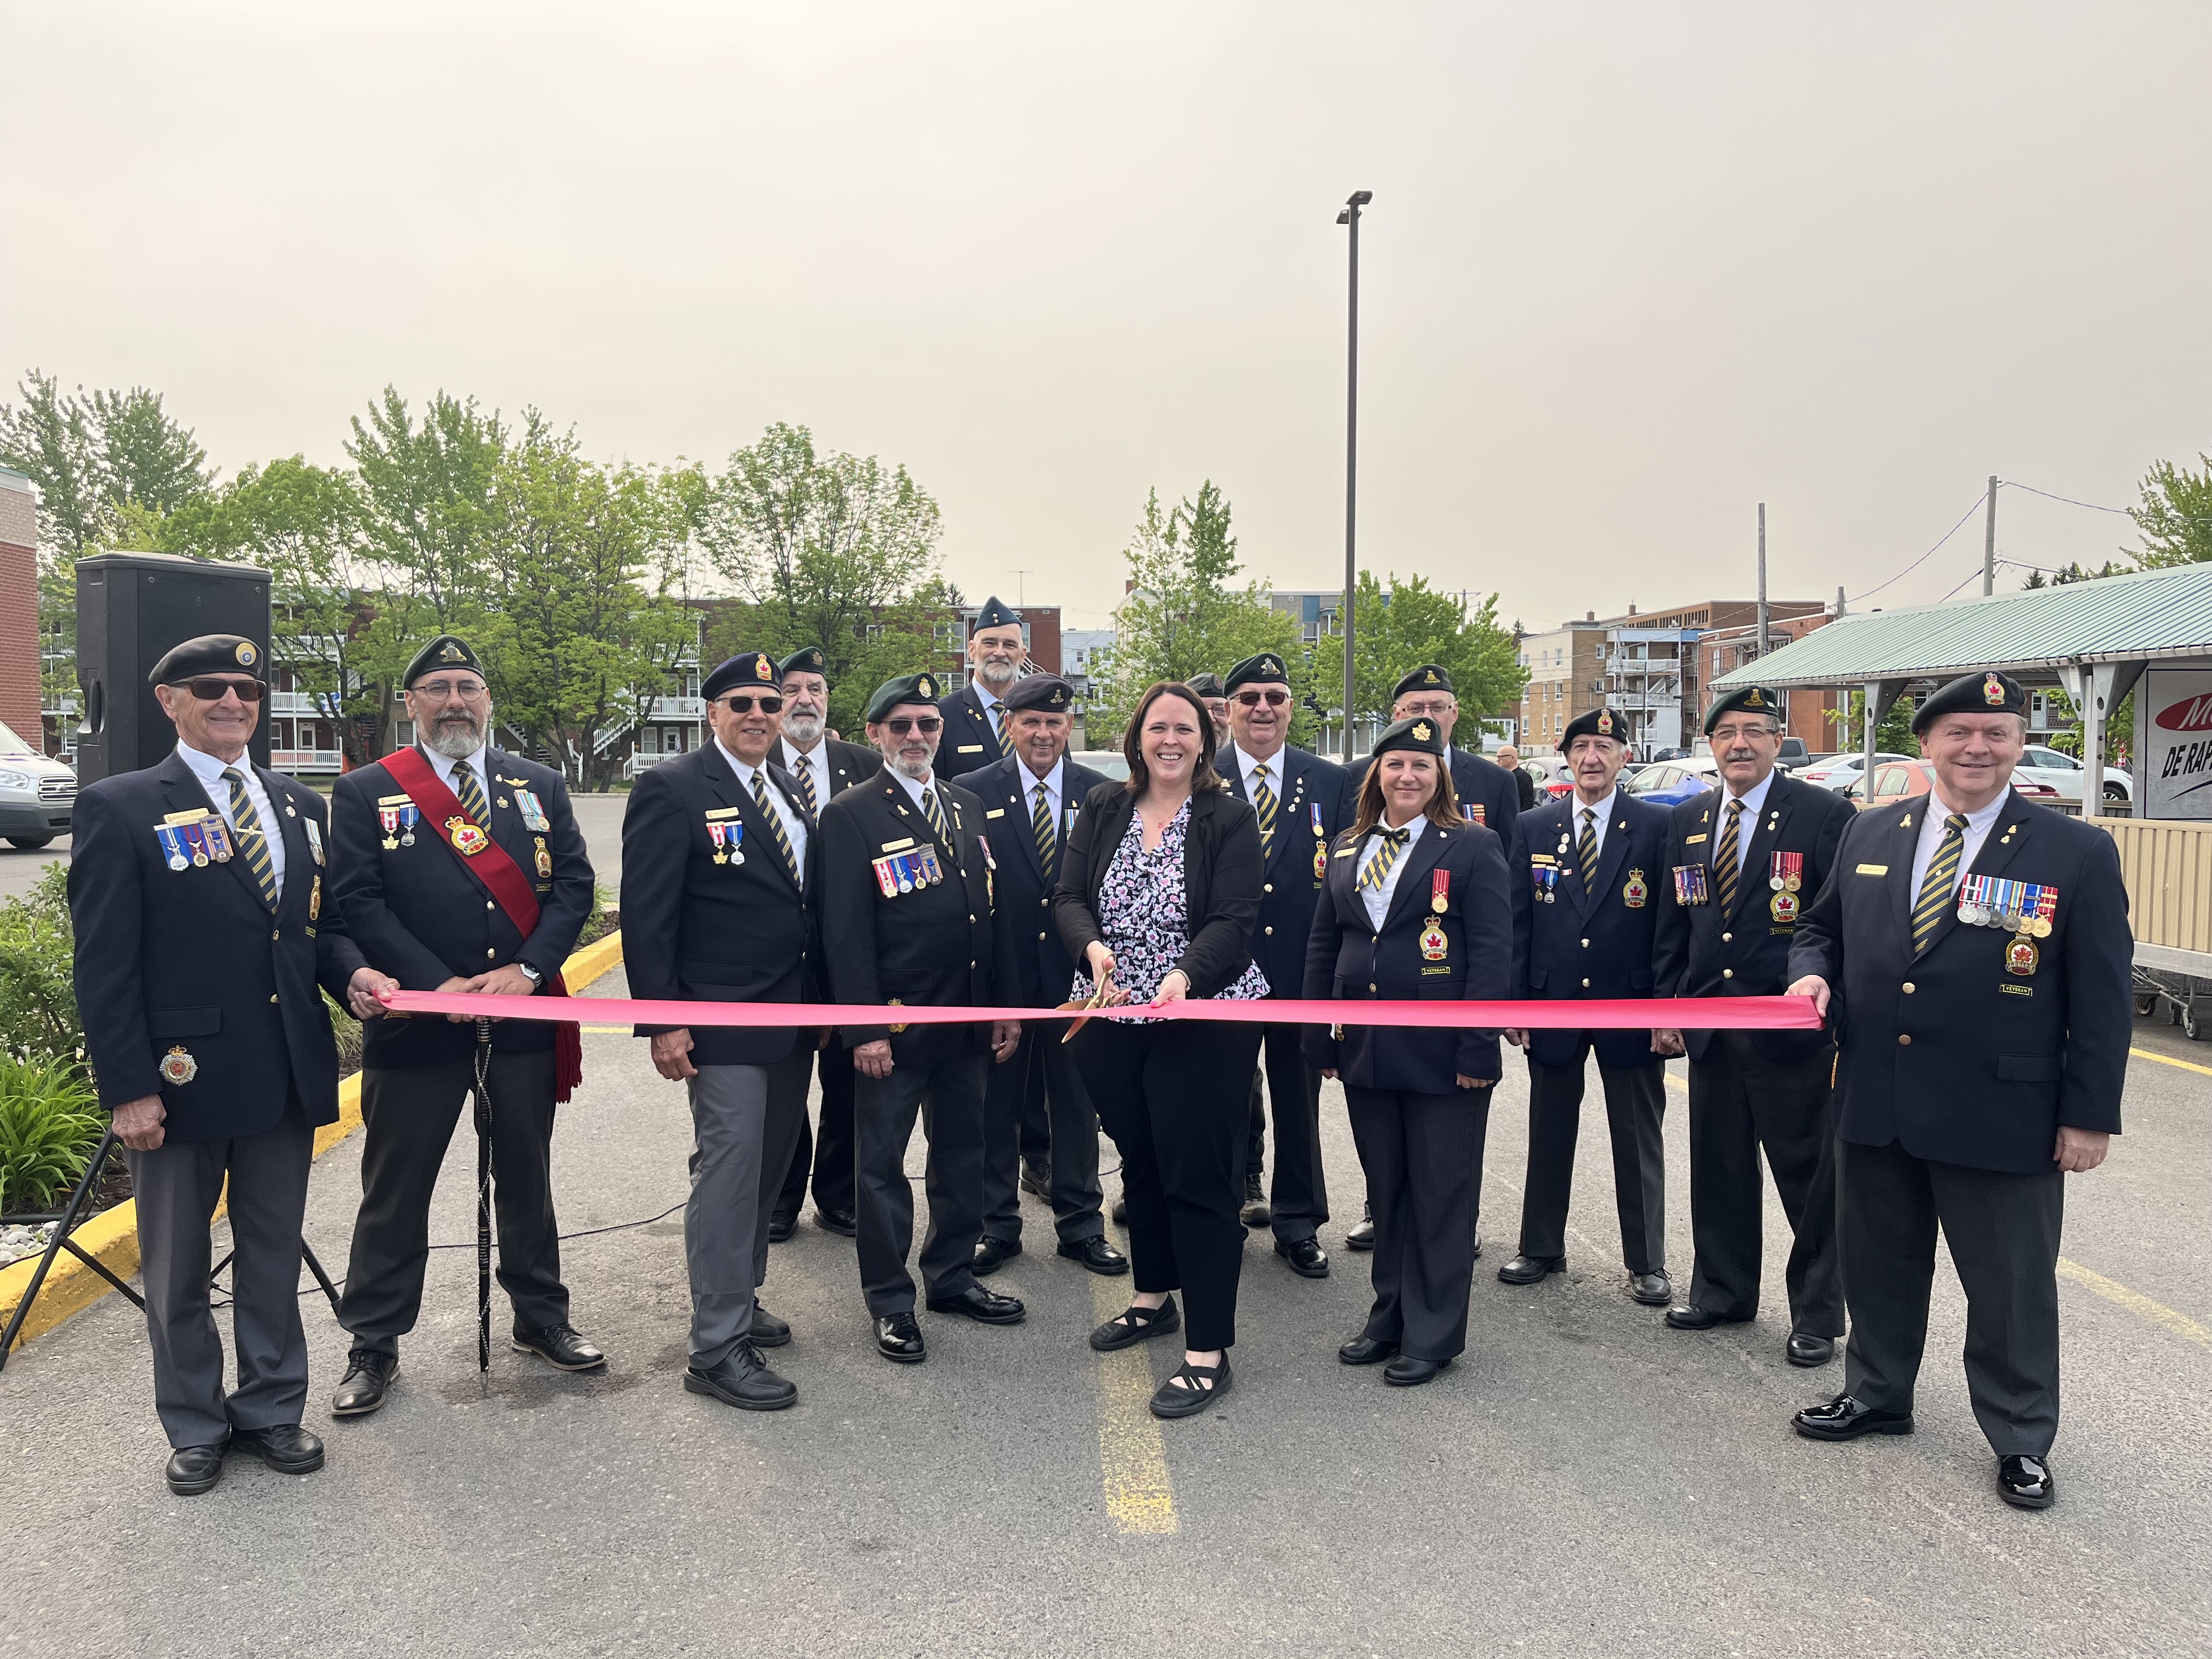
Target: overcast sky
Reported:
point(1631, 269)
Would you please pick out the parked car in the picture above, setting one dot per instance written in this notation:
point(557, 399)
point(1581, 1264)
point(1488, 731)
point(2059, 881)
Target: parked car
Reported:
point(2064, 774)
point(1550, 774)
point(1897, 779)
point(1670, 754)
point(1669, 783)
point(36, 795)
point(1794, 754)
point(1106, 762)
point(1838, 770)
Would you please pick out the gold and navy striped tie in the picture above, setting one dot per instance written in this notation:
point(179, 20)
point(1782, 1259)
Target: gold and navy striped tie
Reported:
point(252, 840)
point(774, 821)
point(1005, 738)
point(1263, 803)
point(935, 814)
point(805, 771)
point(1385, 856)
point(466, 786)
point(1938, 886)
point(1724, 861)
point(1047, 840)
point(1586, 848)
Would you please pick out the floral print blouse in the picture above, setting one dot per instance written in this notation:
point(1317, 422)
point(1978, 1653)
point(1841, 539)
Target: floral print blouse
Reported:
point(1141, 916)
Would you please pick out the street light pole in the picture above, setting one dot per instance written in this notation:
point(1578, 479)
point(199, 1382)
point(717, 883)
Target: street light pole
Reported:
point(1350, 216)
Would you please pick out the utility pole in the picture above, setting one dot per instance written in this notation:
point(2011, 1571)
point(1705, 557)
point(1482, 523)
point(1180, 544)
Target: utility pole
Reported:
point(1762, 578)
point(1350, 216)
point(1990, 544)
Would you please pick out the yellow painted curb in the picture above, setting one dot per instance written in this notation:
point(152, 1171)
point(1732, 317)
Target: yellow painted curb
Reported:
point(112, 1237)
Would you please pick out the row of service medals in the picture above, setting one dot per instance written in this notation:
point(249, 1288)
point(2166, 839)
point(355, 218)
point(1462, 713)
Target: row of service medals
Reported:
point(902, 873)
point(195, 840)
point(398, 815)
point(727, 832)
point(1788, 876)
point(1435, 945)
point(2023, 909)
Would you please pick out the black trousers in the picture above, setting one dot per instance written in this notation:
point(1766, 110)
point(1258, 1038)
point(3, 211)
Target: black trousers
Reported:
point(1635, 1109)
point(948, 1094)
point(831, 1157)
point(1741, 1105)
point(1070, 1152)
point(1423, 1155)
point(2003, 1232)
point(1172, 1096)
point(1299, 1193)
point(410, 1114)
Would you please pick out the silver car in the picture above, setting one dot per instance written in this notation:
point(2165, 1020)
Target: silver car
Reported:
point(36, 794)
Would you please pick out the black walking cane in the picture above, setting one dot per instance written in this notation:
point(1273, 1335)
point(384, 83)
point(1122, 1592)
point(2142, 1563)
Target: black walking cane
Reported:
point(484, 1196)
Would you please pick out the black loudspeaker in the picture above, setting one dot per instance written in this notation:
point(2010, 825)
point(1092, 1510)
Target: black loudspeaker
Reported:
point(131, 609)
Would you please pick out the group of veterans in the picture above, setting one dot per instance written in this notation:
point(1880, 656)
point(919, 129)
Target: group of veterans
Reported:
point(1968, 950)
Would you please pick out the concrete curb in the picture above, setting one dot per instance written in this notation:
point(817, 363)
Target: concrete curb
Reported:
point(111, 1236)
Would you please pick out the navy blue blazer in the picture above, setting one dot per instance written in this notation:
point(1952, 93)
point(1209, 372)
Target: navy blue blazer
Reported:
point(968, 742)
point(1295, 865)
point(1477, 780)
point(1042, 970)
point(697, 930)
point(189, 968)
point(1701, 953)
point(1973, 1051)
point(1348, 958)
point(1594, 942)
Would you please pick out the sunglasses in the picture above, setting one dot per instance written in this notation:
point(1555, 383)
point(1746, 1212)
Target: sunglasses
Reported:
point(927, 724)
point(1254, 699)
point(744, 705)
point(208, 688)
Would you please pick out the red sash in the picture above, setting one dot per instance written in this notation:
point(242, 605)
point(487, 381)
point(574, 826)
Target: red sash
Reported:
point(503, 879)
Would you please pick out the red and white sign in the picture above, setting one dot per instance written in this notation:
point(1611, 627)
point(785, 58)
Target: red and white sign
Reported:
point(2177, 752)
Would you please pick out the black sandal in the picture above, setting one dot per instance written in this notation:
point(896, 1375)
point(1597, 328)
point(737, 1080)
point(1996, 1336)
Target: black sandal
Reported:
point(1134, 1324)
point(1192, 1398)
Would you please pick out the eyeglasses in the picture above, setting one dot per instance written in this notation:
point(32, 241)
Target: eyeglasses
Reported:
point(742, 704)
point(208, 688)
point(927, 724)
point(438, 691)
point(1432, 707)
point(1254, 699)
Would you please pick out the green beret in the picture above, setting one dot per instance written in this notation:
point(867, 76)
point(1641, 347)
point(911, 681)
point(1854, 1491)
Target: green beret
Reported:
point(446, 651)
point(210, 653)
point(908, 688)
point(1419, 733)
point(1266, 668)
point(1429, 676)
point(808, 662)
point(1751, 699)
point(1990, 693)
point(1207, 685)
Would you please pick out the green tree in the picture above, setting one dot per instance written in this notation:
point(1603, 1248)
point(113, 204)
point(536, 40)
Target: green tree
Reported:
point(2175, 518)
point(1893, 733)
point(1413, 623)
point(1183, 615)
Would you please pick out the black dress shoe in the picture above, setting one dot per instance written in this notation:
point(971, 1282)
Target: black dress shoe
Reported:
point(979, 1304)
point(1362, 1237)
point(839, 1222)
point(560, 1345)
point(368, 1380)
point(1200, 1385)
point(1305, 1256)
point(2026, 1482)
point(1036, 1182)
point(1256, 1213)
point(1364, 1350)
point(993, 1254)
point(1688, 1316)
point(1810, 1350)
point(287, 1448)
point(193, 1469)
point(742, 1381)
point(1096, 1255)
point(1845, 1418)
point(781, 1228)
point(899, 1338)
point(1407, 1372)
point(1133, 1325)
point(1652, 1290)
point(769, 1331)
point(1531, 1269)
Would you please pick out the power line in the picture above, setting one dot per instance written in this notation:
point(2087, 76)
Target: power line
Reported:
point(1970, 575)
point(2015, 483)
point(1929, 554)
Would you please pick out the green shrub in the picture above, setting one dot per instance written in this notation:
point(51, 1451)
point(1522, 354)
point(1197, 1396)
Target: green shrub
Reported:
point(38, 999)
point(50, 1122)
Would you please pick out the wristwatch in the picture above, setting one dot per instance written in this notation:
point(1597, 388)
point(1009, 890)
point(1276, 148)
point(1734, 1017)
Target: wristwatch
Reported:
point(531, 973)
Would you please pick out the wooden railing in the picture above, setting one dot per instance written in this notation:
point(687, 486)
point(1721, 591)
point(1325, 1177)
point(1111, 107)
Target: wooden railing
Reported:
point(2168, 865)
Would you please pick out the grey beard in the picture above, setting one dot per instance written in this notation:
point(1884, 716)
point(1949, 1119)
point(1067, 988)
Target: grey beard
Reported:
point(906, 768)
point(449, 741)
point(802, 730)
point(997, 676)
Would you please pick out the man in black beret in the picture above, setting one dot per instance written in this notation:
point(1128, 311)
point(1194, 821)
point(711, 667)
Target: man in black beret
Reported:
point(1216, 699)
point(459, 867)
point(1743, 862)
point(974, 716)
point(822, 767)
point(907, 916)
point(1974, 950)
point(200, 881)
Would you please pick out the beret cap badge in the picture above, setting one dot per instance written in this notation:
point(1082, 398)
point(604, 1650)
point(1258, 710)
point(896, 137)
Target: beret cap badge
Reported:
point(1421, 731)
point(1605, 721)
point(246, 654)
point(1993, 691)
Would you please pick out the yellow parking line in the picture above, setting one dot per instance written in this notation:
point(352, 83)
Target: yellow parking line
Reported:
point(1133, 1458)
point(2168, 1060)
point(604, 1030)
point(2136, 1302)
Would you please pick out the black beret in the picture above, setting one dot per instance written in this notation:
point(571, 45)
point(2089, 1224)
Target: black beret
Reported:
point(446, 651)
point(1751, 699)
point(1419, 733)
point(1046, 691)
point(1265, 667)
point(995, 613)
point(908, 688)
point(1597, 723)
point(1207, 685)
point(210, 653)
point(755, 669)
point(1990, 693)
point(808, 662)
point(1429, 676)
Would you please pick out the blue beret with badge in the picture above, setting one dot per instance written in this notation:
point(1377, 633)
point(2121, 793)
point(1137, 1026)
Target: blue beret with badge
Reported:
point(1046, 691)
point(210, 653)
point(1985, 693)
point(748, 670)
point(1597, 723)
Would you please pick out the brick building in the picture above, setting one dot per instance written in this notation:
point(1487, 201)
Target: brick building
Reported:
point(1809, 711)
point(19, 607)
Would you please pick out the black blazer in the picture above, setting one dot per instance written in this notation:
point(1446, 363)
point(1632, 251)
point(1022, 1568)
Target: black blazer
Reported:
point(1701, 953)
point(1221, 881)
point(967, 743)
point(1347, 957)
point(1524, 787)
point(192, 962)
point(694, 930)
point(1589, 942)
point(942, 943)
point(419, 915)
point(1478, 780)
point(1290, 883)
point(1041, 969)
point(849, 763)
point(1955, 1053)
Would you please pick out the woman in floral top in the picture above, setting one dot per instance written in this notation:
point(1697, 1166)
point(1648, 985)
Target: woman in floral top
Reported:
point(1158, 897)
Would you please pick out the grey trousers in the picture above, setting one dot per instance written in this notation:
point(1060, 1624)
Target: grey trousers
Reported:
point(1635, 1109)
point(949, 1094)
point(746, 1122)
point(1072, 1153)
point(178, 1185)
point(2002, 1231)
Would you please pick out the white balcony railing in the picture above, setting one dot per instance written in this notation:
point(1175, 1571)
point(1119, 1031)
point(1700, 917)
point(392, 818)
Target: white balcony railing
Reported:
point(304, 760)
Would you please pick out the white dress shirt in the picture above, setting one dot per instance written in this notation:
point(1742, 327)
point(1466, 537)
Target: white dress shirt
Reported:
point(815, 763)
point(1248, 769)
point(209, 771)
point(794, 821)
point(1933, 829)
point(1378, 897)
point(993, 710)
point(1054, 781)
point(1603, 809)
point(914, 786)
point(1747, 829)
